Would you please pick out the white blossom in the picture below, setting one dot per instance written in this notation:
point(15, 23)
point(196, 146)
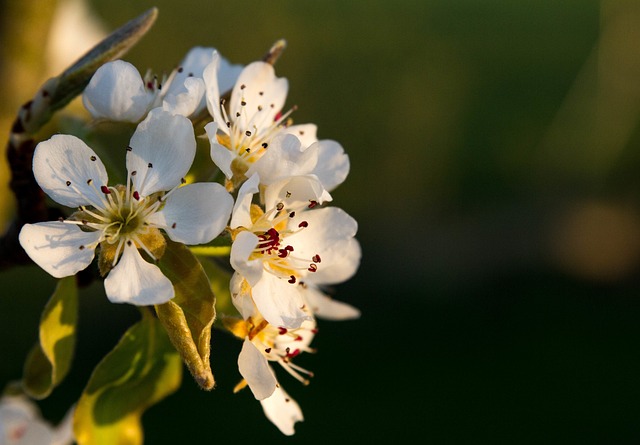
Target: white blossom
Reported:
point(125, 220)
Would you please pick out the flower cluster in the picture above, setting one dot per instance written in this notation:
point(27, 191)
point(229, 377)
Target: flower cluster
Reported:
point(270, 206)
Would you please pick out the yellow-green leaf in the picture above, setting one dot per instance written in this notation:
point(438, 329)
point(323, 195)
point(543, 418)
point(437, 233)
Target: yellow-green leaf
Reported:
point(140, 371)
point(189, 316)
point(50, 359)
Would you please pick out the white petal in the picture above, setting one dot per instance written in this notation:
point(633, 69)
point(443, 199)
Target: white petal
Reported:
point(255, 369)
point(241, 296)
point(212, 92)
point(279, 301)
point(65, 159)
point(282, 411)
point(329, 234)
point(259, 109)
point(296, 193)
point(195, 213)
point(285, 158)
point(241, 249)
point(241, 216)
point(117, 92)
point(220, 154)
point(55, 246)
point(333, 165)
point(185, 100)
point(162, 150)
point(326, 307)
point(135, 281)
point(307, 133)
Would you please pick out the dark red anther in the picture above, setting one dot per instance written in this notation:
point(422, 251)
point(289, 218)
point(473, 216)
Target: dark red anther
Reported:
point(312, 204)
point(150, 85)
point(282, 330)
point(316, 258)
point(136, 195)
point(294, 353)
point(267, 350)
point(278, 115)
point(312, 268)
point(104, 189)
point(298, 338)
point(303, 224)
point(292, 214)
point(291, 279)
point(282, 253)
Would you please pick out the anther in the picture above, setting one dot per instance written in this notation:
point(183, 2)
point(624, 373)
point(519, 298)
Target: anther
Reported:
point(135, 172)
point(173, 226)
point(288, 194)
point(183, 181)
point(89, 181)
point(282, 330)
point(316, 258)
point(180, 69)
point(265, 145)
point(93, 158)
point(303, 224)
point(292, 214)
point(243, 86)
point(312, 203)
point(280, 206)
point(136, 195)
point(291, 279)
point(104, 189)
point(150, 165)
point(68, 183)
point(312, 268)
point(248, 133)
point(129, 148)
point(267, 350)
point(243, 103)
point(129, 242)
point(81, 247)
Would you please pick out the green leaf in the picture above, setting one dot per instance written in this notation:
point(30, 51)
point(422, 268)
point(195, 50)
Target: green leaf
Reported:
point(59, 91)
point(50, 359)
point(141, 370)
point(188, 317)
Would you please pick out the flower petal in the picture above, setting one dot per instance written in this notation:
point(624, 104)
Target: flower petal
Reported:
point(63, 166)
point(330, 234)
point(333, 165)
point(255, 369)
point(117, 92)
point(220, 154)
point(241, 249)
point(185, 100)
point(58, 247)
point(282, 411)
point(279, 302)
point(262, 93)
point(195, 213)
point(307, 133)
point(162, 150)
point(241, 216)
point(326, 307)
point(135, 281)
point(285, 157)
point(296, 192)
point(212, 91)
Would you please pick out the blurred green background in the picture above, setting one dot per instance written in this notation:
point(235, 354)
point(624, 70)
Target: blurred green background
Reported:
point(495, 155)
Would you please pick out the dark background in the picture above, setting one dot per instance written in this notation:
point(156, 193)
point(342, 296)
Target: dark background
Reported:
point(495, 155)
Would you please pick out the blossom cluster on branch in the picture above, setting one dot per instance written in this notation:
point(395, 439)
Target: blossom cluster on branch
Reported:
point(254, 218)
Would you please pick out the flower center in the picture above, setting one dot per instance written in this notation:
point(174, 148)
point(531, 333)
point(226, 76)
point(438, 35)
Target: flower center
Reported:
point(277, 255)
point(281, 345)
